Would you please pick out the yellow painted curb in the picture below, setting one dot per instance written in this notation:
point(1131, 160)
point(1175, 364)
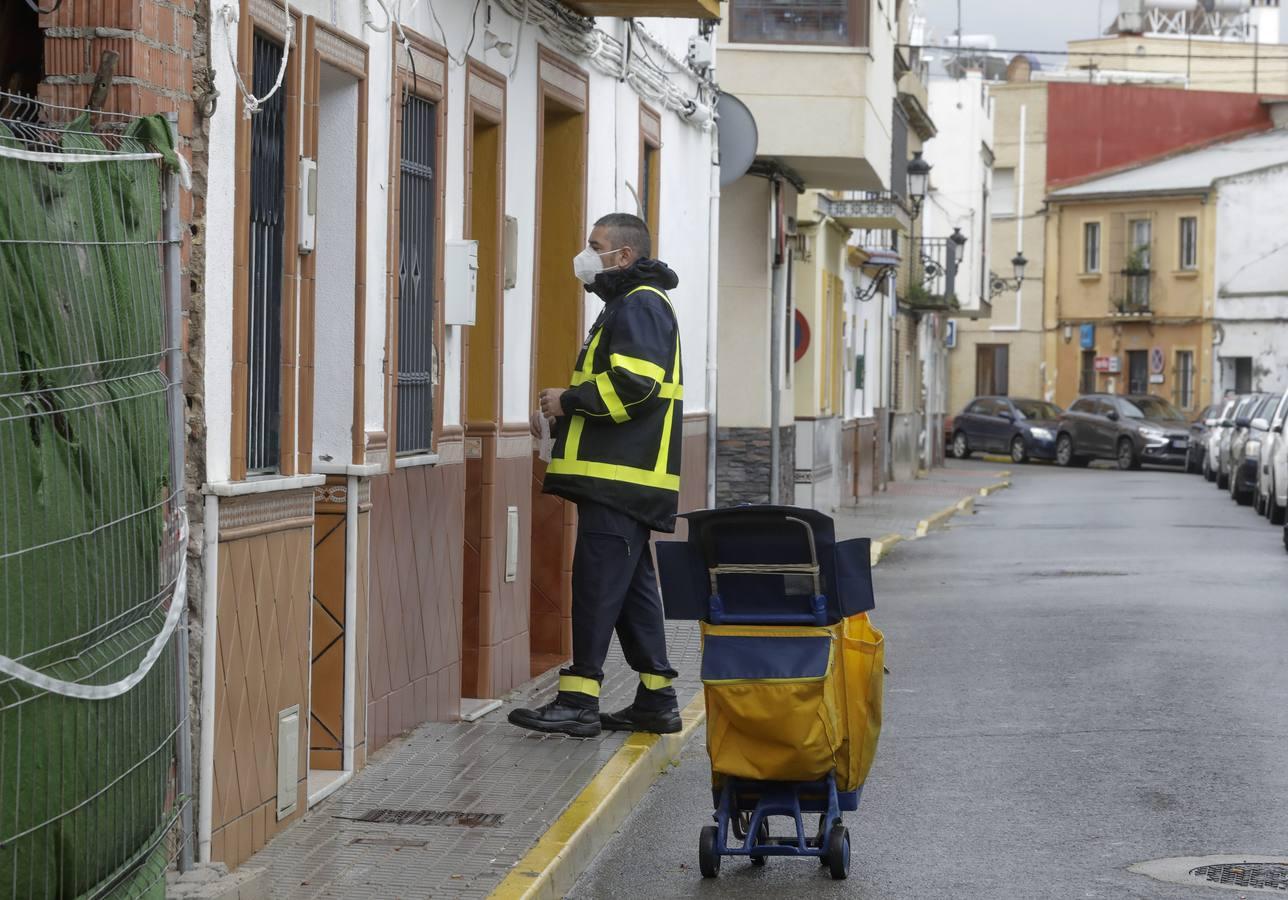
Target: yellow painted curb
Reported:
point(965, 504)
point(936, 519)
point(882, 546)
point(993, 488)
point(553, 865)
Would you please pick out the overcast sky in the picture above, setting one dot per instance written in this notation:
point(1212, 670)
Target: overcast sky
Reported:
point(1020, 25)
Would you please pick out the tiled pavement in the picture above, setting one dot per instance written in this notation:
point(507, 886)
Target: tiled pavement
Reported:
point(488, 766)
point(899, 508)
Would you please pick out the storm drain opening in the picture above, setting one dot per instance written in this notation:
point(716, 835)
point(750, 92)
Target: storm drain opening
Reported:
point(1267, 874)
point(1263, 875)
point(427, 817)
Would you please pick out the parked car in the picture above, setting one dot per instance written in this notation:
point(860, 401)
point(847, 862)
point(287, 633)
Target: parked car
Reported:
point(1199, 430)
point(1232, 434)
point(1217, 434)
point(1245, 449)
point(1131, 429)
point(1024, 429)
point(1272, 482)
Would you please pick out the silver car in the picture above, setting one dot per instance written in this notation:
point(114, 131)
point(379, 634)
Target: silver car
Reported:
point(1219, 436)
point(1272, 481)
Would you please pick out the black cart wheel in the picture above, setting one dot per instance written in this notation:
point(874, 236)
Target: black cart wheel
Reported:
point(708, 858)
point(762, 838)
point(838, 852)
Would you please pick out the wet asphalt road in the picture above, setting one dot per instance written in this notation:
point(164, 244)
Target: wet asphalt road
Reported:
point(1090, 672)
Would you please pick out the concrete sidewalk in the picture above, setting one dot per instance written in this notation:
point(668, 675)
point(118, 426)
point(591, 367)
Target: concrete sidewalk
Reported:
point(450, 809)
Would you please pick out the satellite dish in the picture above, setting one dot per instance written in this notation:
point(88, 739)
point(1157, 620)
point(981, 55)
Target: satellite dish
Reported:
point(738, 138)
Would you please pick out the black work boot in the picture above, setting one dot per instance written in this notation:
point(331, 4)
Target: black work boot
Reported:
point(559, 717)
point(653, 721)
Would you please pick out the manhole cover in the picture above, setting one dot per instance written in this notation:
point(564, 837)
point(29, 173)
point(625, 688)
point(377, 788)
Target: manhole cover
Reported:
point(1269, 874)
point(427, 817)
point(1273, 876)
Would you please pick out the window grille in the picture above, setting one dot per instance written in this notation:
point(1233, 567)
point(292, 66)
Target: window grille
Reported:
point(267, 230)
point(417, 276)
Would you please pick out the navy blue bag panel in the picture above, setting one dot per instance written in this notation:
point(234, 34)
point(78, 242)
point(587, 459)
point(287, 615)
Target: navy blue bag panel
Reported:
point(682, 573)
point(727, 657)
point(852, 569)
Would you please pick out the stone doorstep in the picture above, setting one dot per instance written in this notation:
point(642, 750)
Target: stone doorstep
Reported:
point(213, 881)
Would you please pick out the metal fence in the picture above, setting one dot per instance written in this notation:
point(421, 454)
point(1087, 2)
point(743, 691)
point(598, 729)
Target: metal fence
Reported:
point(94, 769)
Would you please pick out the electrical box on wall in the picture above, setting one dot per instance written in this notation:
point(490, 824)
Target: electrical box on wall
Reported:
point(511, 247)
point(460, 280)
point(308, 204)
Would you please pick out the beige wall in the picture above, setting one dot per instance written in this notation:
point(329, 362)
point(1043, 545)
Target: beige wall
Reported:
point(1168, 56)
point(814, 380)
point(1016, 322)
point(746, 258)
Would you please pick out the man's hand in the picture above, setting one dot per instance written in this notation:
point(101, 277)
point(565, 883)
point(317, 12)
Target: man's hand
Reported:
point(552, 403)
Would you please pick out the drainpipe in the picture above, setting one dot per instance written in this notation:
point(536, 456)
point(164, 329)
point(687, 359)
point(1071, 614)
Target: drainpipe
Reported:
point(777, 294)
point(713, 344)
point(209, 645)
point(1019, 222)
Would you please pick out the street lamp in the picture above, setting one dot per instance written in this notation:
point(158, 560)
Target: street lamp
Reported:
point(918, 182)
point(997, 284)
point(959, 244)
point(886, 263)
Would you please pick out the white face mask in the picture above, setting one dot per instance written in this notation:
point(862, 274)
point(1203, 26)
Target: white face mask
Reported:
point(587, 264)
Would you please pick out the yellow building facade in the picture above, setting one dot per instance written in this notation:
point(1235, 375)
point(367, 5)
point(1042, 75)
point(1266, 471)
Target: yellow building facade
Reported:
point(1128, 296)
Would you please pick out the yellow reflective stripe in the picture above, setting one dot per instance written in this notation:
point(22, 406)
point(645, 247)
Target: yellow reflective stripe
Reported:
point(608, 394)
point(671, 392)
point(654, 682)
point(580, 377)
point(588, 363)
point(573, 443)
point(570, 465)
point(575, 684)
point(637, 366)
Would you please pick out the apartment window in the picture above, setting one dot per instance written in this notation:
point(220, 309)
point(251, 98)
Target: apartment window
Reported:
point(650, 171)
point(1090, 247)
point(417, 276)
point(266, 262)
point(1003, 192)
point(840, 22)
point(1141, 237)
point(1185, 378)
point(1243, 374)
point(992, 369)
point(1087, 382)
point(1189, 243)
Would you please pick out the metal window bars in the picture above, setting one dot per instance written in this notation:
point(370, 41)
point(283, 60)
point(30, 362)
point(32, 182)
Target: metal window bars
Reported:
point(94, 764)
point(267, 235)
point(417, 276)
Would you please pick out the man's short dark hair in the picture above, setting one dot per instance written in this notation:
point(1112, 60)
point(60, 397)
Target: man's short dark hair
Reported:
point(626, 230)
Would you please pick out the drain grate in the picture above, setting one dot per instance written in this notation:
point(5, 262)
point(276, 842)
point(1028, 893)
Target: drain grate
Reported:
point(1265, 875)
point(427, 817)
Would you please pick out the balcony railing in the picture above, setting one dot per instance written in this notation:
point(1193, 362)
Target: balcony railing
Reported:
point(932, 275)
point(1133, 293)
point(867, 210)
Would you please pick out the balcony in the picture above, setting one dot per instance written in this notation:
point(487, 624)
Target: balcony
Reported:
point(823, 105)
point(930, 284)
point(866, 210)
point(635, 9)
point(1132, 295)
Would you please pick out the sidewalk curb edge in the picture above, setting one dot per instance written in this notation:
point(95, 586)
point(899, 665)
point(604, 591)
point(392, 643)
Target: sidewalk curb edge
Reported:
point(558, 858)
point(882, 546)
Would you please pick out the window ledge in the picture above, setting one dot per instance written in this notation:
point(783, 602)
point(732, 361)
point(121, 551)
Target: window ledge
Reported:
point(263, 484)
point(421, 459)
point(1089, 276)
point(1186, 273)
point(367, 470)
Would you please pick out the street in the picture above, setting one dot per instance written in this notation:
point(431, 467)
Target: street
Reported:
point(1086, 674)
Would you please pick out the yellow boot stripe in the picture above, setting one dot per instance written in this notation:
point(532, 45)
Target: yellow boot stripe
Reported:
point(575, 684)
point(655, 682)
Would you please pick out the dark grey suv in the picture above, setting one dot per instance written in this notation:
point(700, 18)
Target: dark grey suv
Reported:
point(1131, 430)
